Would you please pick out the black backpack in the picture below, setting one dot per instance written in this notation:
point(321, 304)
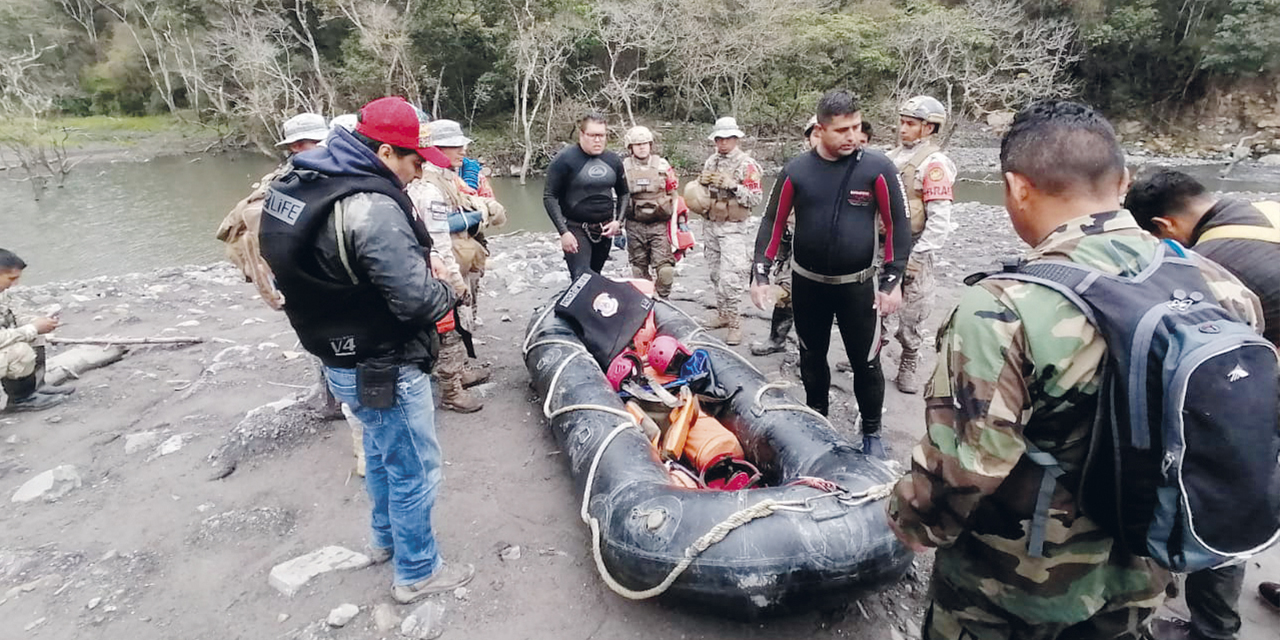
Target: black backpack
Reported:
point(1184, 463)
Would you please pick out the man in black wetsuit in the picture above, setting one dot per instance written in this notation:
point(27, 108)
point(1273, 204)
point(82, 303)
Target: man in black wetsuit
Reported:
point(837, 191)
point(585, 197)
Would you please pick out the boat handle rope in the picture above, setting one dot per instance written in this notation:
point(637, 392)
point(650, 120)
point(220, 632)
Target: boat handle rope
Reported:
point(717, 533)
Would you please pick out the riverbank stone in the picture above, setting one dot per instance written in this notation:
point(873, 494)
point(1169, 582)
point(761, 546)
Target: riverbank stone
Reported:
point(289, 577)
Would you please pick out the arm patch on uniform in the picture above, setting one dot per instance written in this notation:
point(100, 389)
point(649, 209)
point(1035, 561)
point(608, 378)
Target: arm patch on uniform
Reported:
point(937, 184)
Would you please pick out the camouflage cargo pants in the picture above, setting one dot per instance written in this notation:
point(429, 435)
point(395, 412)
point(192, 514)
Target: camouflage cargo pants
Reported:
point(17, 360)
point(918, 286)
point(728, 247)
point(451, 361)
point(1119, 622)
point(649, 250)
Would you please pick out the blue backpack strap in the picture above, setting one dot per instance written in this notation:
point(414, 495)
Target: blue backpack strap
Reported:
point(1176, 247)
point(1048, 482)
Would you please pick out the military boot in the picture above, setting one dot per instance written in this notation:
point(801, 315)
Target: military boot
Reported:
point(474, 376)
point(734, 337)
point(907, 382)
point(779, 327)
point(456, 397)
point(719, 322)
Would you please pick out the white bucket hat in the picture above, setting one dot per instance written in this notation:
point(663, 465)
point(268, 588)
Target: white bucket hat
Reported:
point(304, 126)
point(347, 121)
point(726, 127)
point(448, 133)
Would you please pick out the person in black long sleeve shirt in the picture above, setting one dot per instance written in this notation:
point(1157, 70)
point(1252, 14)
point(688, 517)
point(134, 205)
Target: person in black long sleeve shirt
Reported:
point(585, 197)
point(837, 192)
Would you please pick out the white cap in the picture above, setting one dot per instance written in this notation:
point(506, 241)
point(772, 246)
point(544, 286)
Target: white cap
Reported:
point(347, 121)
point(448, 133)
point(726, 127)
point(304, 126)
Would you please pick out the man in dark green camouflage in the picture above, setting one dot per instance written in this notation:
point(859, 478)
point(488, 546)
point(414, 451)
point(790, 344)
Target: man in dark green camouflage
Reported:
point(1018, 364)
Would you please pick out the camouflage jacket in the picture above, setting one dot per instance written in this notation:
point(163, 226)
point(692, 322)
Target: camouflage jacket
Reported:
point(15, 326)
point(745, 172)
point(1016, 363)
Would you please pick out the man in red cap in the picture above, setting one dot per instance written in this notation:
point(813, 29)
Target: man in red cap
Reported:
point(340, 235)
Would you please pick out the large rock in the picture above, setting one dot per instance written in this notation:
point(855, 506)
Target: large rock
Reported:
point(50, 485)
point(385, 618)
point(289, 577)
point(1272, 160)
point(426, 622)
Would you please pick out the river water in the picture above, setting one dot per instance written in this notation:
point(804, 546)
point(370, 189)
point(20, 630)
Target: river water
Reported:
point(116, 218)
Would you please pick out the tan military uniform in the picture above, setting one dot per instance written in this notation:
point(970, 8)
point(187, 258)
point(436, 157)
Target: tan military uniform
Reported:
point(239, 230)
point(17, 337)
point(727, 238)
point(1018, 365)
point(652, 183)
point(928, 176)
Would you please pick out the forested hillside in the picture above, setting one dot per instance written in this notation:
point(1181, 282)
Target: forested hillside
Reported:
point(528, 66)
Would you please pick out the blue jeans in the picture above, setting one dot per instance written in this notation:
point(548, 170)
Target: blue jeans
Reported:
point(402, 469)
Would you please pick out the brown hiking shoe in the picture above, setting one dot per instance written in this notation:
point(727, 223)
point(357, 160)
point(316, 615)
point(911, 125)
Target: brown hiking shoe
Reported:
point(473, 377)
point(446, 578)
point(458, 399)
point(734, 338)
point(719, 322)
point(907, 380)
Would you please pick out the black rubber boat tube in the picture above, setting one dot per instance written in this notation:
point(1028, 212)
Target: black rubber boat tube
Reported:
point(742, 554)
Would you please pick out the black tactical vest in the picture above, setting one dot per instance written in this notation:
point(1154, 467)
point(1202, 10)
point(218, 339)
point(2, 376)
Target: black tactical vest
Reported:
point(340, 321)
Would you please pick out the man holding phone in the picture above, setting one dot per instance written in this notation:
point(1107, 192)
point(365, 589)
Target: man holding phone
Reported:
point(22, 348)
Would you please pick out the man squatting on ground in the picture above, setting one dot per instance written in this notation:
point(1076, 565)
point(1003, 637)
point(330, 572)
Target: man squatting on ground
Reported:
point(653, 186)
point(732, 179)
point(1245, 239)
point(437, 197)
point(585, 197)
point(22, 348)
point(837, 192)
point(928, 176)
point(351, 260)
point(1019, 366)
point(782, 320)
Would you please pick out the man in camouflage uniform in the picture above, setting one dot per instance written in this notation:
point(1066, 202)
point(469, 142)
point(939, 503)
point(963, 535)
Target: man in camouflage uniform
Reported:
point(239, 230)
point(437, 197)
point(653, 187)
point(1018, 366)
point(733, 180)
point(783, 316)
point(928, 176)
point(22, 348)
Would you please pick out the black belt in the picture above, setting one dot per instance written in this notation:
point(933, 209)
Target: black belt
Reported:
point(851, 278)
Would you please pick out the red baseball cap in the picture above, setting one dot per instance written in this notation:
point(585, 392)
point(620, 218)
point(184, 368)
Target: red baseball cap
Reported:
point(392, 120)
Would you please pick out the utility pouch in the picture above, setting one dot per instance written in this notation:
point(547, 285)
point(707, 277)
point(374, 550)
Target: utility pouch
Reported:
point(376, 383)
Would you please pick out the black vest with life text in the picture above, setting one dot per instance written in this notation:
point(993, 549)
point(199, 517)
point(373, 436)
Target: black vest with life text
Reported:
point(340, 321)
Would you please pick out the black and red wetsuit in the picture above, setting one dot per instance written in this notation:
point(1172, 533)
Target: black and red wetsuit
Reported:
point(836, 205)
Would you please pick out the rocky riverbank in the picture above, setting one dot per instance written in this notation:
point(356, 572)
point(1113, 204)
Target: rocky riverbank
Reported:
point(189, 474)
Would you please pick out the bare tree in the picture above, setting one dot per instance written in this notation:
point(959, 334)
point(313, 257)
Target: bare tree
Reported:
point(997, 59)
point(81, 12)
point(384, 33)
point(540, 51)
point(635, 35)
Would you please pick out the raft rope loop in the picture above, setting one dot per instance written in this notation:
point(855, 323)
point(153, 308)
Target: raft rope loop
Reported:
point(719, 532)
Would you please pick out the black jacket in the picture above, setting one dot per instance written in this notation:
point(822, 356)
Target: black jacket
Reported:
point(1255, 262)
point(388, 303)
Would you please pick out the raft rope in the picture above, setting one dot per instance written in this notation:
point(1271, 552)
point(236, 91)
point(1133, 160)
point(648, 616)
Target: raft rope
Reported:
point(719, 532)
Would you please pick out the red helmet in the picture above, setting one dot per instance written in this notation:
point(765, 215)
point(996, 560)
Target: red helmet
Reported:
point(623, 366)
point(666, 353)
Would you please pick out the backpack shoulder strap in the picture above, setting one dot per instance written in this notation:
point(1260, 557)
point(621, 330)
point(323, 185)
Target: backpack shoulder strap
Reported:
point(1067, 278)
point(1048, 482)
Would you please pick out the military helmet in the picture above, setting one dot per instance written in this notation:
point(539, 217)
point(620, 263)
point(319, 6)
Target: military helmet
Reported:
point(696, 198)
point(638, 135)
point(925, 108)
